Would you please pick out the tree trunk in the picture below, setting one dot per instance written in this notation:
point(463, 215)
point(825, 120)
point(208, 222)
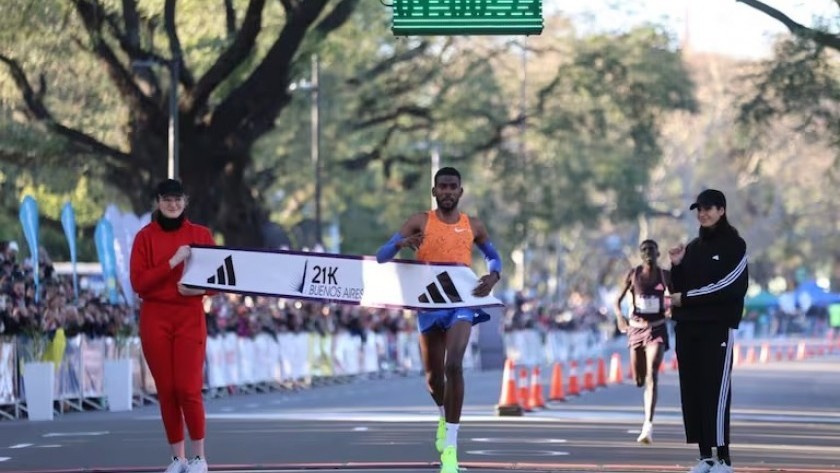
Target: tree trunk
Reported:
point(226, 204)
point(213, 176)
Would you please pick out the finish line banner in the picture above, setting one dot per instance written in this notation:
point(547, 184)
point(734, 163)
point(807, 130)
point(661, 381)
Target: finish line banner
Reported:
point(329, 278)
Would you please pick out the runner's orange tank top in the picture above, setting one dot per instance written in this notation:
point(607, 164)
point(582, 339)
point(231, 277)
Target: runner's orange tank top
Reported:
point(446, 243)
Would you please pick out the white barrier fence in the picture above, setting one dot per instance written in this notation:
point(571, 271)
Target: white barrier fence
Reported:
point(266, 362)
point(233, 363)
point(535, 348)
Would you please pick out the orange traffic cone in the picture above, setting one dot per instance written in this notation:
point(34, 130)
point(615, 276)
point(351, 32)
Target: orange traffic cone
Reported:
point(675, 364)
point(508, 403)
point(556, 389)
point(662, 366)
point(589, 376)
point(602, 373)
point(801, 352)
point(615, 369)
point(780, 354)
point(574, 387)
point(537, 400)
point(791, 353)
point(524, 395)
point(751, 355)
point(764, 356)
point(736, 355)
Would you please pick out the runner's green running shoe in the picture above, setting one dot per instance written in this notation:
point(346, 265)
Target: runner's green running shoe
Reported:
point(440, 437)
point(449, 460)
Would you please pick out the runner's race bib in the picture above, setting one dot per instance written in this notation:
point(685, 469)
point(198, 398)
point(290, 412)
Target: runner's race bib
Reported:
point(647, 305)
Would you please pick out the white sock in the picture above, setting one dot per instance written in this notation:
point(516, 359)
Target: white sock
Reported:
point(647, 424)
point(442, 412)
point(452, 434)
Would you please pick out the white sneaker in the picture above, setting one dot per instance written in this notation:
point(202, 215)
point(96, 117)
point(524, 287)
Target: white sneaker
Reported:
point(646, 437)
point(197, 465)
point(703, 466)
point(721, 467)
point(178, 465)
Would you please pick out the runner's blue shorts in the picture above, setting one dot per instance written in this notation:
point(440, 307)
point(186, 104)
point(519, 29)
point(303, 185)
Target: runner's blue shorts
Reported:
point(443, 319)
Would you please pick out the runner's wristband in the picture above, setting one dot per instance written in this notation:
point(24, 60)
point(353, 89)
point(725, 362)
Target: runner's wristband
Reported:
point(491, 256)
point(387, 251)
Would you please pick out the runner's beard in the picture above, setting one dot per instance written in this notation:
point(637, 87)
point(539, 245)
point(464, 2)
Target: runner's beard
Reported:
point(452, 204)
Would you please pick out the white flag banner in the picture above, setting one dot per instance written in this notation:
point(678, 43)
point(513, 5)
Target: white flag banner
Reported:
point(331, 278)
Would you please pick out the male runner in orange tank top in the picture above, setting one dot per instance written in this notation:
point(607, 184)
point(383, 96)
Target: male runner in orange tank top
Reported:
point(445, 235)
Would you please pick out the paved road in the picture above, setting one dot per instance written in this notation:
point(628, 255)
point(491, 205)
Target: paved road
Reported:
point(786, 417)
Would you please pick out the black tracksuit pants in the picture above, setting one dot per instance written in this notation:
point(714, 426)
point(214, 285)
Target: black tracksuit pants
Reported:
point(704, 355)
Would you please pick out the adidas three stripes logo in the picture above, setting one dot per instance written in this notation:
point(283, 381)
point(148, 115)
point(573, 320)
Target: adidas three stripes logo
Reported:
point(434, 295)
point(225, 275)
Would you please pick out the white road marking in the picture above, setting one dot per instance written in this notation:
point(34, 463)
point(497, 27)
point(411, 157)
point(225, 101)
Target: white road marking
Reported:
point(524, 453)
point(76, 434)
point(2, 459)
point(517, 440)
point(21, 445)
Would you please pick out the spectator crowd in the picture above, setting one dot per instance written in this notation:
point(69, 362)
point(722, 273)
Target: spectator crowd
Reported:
point(91, 314)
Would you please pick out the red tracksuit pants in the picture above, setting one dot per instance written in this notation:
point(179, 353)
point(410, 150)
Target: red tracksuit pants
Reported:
point(174, 345)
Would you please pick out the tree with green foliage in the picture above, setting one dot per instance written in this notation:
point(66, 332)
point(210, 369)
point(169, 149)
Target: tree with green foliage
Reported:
point(233, 78)
point(578, 149)
point(802, 79)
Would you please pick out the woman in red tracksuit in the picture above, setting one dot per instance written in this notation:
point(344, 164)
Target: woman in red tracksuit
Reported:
point(172, 325)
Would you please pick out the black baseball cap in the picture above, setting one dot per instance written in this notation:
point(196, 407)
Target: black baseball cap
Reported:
point(170, 187)
point(709, 198)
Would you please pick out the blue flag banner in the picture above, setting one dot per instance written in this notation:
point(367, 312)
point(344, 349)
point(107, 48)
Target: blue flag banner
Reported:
point(29, 221)
point(68, 222)
point(104, 238)
point(125, 227)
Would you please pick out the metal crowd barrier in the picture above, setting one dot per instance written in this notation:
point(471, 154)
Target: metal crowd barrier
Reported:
point(267, 362)
point(234, 364)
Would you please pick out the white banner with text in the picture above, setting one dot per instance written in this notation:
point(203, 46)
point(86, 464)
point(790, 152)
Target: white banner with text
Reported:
point(330, 278)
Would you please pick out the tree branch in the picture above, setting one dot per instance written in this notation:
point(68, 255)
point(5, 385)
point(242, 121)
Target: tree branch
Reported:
point(230, 19)
point(39, 112)
point(175, 50)
point(337, 17)
point(230, 59)
point(132, 23)
point(129, 41)
point(92, 16)
point(132, 48)
point(388, 64)
point(250, 110)
point(410, 110)
point(802, 31)
point(289, 6)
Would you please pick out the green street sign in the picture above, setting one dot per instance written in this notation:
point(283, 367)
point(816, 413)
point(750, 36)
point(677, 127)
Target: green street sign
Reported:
point(467, 17)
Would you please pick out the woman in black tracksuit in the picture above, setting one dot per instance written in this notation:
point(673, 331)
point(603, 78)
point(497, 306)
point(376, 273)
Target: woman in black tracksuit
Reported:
point(709, 277)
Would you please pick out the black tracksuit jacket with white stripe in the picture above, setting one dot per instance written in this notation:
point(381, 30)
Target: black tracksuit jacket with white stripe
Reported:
point(712, 278)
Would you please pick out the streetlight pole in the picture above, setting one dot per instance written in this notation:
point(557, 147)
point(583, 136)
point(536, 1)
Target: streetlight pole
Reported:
point(523, 110)
point(174, 76)
point(174, 66)
point(315, 136)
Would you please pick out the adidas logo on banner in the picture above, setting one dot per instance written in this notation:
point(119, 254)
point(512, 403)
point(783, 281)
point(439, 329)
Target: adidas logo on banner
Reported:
point(434, 293)
point(225, 275)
